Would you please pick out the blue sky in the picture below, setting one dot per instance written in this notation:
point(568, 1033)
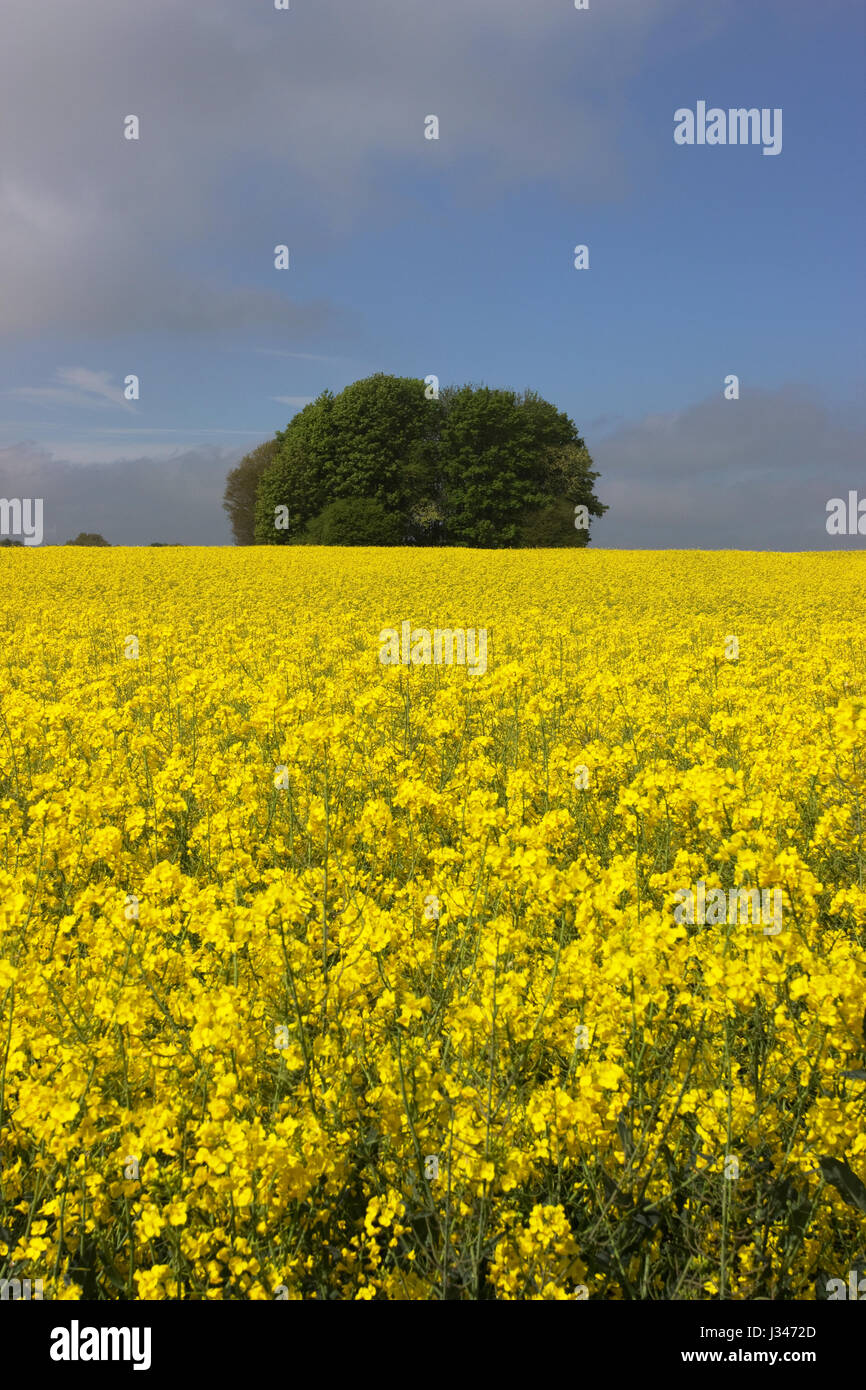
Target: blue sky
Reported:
point(452, 256)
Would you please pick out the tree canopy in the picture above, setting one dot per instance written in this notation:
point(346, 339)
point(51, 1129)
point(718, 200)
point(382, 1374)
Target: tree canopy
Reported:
point(472, 466)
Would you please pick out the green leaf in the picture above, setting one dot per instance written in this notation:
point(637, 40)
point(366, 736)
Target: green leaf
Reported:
point(624, 1132)
point(845, 1180)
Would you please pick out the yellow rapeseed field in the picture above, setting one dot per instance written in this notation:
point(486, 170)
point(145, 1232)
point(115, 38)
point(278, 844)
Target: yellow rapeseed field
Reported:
point(327, 979)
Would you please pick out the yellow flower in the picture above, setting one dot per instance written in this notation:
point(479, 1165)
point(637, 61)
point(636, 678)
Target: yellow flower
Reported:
point(549, 1030)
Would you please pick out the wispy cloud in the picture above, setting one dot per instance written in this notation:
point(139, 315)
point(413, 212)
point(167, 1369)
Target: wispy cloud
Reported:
point(306, 356)
point(293, 400)
point(79, 387)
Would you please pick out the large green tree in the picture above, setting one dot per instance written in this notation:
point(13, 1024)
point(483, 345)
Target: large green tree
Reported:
point(512, 469)
point(375, 440)
point(299, 477)
point(474, 467)
point(239, 498)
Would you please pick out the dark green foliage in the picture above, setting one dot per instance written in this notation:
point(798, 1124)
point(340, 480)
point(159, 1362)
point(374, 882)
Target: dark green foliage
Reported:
point(88, 538)
point(385, 433)
point(551, 527)
point(506, 459)
point(354, 521)
point(7, 540)
point(477, 467)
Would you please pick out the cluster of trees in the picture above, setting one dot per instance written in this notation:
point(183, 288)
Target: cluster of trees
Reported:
point(94, 538)
point(83, 538)
point(91, 538)
point(388, 461)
